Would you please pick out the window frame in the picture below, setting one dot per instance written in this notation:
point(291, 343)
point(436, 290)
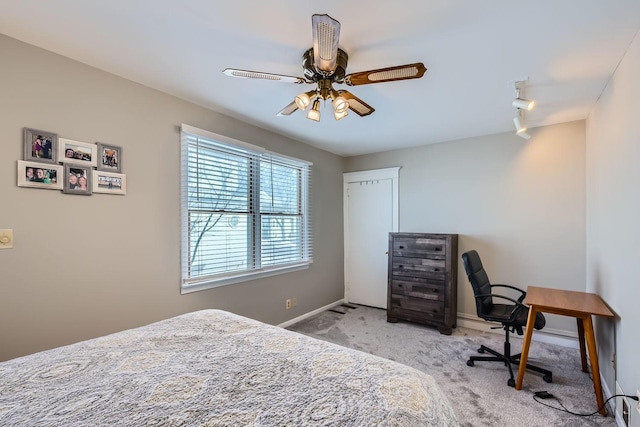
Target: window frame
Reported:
point(258, 155)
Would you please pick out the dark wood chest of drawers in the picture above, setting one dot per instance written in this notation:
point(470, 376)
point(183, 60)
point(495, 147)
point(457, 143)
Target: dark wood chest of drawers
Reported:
point(422, 287)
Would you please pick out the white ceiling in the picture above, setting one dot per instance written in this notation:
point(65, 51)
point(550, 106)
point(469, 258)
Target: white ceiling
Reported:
point(473, 50)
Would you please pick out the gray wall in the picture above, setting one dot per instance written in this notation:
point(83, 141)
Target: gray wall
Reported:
point(86, 266)
point(520, 204)
point(613, 213)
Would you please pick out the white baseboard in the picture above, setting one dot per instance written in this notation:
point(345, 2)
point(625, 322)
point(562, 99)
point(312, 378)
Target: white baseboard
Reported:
point(547, 335)
point(309, 314)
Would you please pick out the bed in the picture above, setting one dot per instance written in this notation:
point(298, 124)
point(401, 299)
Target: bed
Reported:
point(214, 368)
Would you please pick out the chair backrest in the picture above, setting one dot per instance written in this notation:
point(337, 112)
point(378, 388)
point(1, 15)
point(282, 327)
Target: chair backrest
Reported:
point(479, 281)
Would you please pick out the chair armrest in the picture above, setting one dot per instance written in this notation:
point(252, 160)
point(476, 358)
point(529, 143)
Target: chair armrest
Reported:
point(517, 303)
point(523, 293)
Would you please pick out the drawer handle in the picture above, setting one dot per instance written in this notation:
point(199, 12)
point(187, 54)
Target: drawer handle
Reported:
point(400, 285)
point(401, 266)
point(435, 290)
point(436, 269)
point(401, 247)
point(438, 249)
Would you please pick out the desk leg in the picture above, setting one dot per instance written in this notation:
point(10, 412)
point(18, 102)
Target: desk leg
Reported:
point(531, 320)
point(583, 352)
point(593, 356)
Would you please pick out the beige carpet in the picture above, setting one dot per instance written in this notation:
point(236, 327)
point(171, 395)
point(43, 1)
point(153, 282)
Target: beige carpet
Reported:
point(479, 395)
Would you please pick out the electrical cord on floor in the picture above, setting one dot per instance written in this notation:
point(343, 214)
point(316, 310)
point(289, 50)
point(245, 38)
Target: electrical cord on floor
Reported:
point(545, 395)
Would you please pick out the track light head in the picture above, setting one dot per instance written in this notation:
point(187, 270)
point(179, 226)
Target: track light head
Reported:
point(523, 104)
point(521, 131)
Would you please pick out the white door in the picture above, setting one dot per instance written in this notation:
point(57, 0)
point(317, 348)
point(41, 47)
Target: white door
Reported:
point(370, 214)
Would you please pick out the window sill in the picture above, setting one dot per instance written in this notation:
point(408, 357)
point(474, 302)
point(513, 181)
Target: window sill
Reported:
point(187, 288)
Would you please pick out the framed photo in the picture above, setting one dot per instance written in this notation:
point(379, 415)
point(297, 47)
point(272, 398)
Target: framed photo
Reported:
point(77, 179)
point(40, 146)
point(109, 158)
point(76, 152)
point(39, 175)
point(109, 182)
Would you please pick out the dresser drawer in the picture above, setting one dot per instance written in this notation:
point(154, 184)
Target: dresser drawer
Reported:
point(426, 289)
point(418, 267)
point(422, 308)
point(420, 248)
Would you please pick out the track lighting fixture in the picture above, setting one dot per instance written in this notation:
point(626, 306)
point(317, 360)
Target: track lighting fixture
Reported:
point(521, 131)
point(522, 105)
point(518, 125)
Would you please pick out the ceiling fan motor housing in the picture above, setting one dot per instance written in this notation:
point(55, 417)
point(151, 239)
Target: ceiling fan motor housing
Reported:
point(314, 75)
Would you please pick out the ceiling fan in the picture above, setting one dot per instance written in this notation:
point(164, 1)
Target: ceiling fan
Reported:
point(325, 64)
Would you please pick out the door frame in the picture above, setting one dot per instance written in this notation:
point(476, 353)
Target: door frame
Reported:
point(393, 174)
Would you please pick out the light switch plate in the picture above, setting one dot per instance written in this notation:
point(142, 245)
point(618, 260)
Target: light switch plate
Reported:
point(6, 238)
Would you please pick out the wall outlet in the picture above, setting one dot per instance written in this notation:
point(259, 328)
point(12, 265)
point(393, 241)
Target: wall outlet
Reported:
point(294, 302)
point(638, 402)
point(287, 304)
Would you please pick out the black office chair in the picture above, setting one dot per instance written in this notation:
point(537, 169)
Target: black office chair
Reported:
point(513, 316)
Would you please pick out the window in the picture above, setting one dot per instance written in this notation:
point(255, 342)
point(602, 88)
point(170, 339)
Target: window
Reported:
point(245, 211)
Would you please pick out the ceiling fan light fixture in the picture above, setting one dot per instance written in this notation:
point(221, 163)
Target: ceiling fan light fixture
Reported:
point(314, 113)
point(340, 114)
point(340, 104)
point(325, 64)
point(523, 104)
point(304, 99)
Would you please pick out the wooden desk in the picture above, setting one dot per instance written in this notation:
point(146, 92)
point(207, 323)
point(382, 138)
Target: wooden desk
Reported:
point(580, 305)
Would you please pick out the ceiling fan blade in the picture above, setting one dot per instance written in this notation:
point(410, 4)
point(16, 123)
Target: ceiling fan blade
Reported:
point(399, 72)
point(356, 104)
point(326, 33)
point(232, 72)
point(289, 109)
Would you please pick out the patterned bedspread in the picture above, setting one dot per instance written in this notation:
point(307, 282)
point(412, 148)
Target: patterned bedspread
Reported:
point(214, 368)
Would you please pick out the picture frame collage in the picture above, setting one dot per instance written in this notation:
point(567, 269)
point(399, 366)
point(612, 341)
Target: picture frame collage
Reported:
point(75, 167)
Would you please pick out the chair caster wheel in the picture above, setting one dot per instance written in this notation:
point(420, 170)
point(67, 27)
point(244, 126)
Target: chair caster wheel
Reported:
point(481, 350)
point(511, 382)
point(548, 378)
point(469, 362)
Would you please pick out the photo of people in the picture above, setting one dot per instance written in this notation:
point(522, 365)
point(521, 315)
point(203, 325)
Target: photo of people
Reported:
point(109, 182)
point(77, 180)
point(40, 146)
point(109, 157)
point(44, 175)
point(77, 152)
point(39, 175)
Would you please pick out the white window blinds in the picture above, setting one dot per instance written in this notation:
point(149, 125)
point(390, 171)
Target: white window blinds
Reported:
point(245, 211)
